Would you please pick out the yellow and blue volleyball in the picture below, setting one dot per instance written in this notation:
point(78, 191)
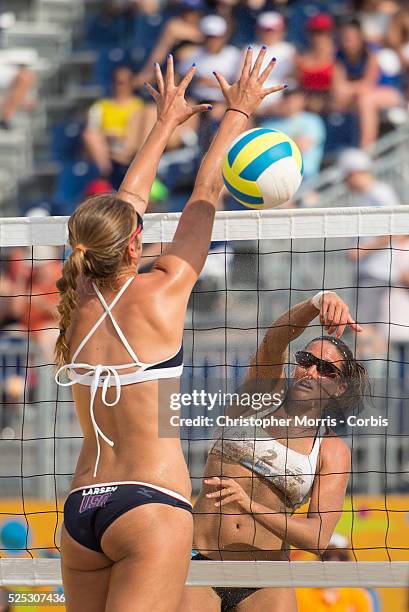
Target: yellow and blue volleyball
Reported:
point(263, 168)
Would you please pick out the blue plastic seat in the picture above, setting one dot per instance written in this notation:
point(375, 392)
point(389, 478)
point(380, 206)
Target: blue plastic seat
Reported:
point(71, 184)
point(342, 131)
point(103, 33)
point(108, 60)
point(179, 175)
point(66, 141)
point(146, 31)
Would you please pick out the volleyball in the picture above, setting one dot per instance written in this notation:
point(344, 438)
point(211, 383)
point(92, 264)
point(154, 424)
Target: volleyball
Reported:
point(263, 168)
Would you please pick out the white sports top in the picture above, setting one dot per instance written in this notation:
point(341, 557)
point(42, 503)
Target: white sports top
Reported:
point(105, 376)
point(290, 472)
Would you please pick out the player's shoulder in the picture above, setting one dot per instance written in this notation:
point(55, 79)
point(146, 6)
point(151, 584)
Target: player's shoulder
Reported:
point(334, 449)
point(148, 283)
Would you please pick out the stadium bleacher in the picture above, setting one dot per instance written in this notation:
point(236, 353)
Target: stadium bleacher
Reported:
point(74, 45)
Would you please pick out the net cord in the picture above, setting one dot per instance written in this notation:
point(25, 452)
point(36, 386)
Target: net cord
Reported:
point(233, 225)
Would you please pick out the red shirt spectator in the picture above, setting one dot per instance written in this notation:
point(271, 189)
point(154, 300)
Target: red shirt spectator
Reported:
point(315, 67)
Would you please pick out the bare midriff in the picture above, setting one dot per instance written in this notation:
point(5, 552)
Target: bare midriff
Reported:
point(226, 532)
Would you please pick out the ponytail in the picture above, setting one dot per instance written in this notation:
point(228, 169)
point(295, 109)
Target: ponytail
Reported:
point(67, 286)
point(99, 232)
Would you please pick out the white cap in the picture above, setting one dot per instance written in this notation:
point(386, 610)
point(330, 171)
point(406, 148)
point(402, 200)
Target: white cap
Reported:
point(271, 20)
point(7, 20)
point(38, 211)
point(213, 25)
point(338, 541)
point(354, 160)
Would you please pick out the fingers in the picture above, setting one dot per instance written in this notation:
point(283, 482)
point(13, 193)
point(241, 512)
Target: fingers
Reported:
point(257, 65)
point(224, 85)
point(170, 72)
point(354, 325)
point(184, 83)
point(343, 322)
point(325, 304)
point(267, 71)
point(201, 108)
point(231, 493)
point(338, 314)
point(216, 481)
point(159, 78)
point(346, 319)
point(228, 500)
point(330, 312)
point(155, 94)
point(335, 316)
point(248, 60)
point(221, 493)
point(270, 90)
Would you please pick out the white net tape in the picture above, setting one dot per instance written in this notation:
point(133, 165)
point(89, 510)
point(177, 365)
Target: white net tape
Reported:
point(229, 226)
point(44, 572)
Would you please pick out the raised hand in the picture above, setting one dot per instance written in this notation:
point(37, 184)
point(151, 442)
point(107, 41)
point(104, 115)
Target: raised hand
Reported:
point(247, 94)
point(335, 315)
point(170, 98)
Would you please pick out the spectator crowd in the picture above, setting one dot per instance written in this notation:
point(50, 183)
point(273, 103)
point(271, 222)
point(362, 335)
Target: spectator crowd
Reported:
point(345, 62)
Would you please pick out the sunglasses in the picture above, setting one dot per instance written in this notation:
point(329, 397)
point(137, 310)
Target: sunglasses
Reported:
point(324, 368)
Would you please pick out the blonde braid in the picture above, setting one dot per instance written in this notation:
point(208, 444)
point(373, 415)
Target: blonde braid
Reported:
point(67, 286)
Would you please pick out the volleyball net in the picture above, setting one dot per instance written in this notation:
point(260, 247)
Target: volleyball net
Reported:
point(260, 265)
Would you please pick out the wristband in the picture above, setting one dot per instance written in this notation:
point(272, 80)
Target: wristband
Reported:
point(237, 110)
point(317, 299)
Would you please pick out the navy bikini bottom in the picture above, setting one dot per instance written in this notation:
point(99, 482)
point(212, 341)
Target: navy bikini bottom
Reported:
point(230, 596)
point(90, 510)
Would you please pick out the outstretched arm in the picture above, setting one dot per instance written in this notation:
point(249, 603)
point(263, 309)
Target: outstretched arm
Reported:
point(173, 110)
point(185, 257)
point(271, 355)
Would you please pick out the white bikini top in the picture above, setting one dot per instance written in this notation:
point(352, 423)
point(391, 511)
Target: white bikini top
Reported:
point(292, 473)
point(106, 376)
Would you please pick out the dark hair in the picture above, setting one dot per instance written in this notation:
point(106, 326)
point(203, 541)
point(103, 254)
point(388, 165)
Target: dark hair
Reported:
point(351, 23)
point(354, 374)
point(121, 66)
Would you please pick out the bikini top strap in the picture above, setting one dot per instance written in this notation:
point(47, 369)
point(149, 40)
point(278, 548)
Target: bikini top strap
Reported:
point(107, 312)
point(317, 444)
